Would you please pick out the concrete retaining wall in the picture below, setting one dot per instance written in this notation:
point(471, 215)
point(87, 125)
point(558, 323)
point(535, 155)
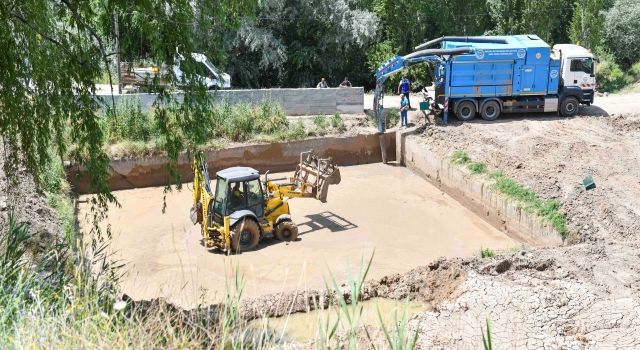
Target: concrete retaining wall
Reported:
point(477, 194)
point(275, 157)
point(293, 101)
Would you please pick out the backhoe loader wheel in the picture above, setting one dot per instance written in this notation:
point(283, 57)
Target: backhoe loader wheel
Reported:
point(245, 236)
point(287, 231)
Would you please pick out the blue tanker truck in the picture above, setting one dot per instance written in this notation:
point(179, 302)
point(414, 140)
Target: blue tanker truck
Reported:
point(491, 75)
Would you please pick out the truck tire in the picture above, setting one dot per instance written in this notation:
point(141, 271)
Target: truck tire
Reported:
point(286, 231)
point(466, 110)
point(569, 106)
point(245, 235)
point(490, 110)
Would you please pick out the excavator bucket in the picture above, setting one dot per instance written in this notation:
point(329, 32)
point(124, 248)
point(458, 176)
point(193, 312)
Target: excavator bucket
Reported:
point(315, 174)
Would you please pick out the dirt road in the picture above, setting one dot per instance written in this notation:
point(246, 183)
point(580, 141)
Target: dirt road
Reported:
point(376, 207)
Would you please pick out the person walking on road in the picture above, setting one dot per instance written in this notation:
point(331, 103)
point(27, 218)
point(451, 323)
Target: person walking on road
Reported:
point(322, 84)
point(404, 110)
point(405, 88)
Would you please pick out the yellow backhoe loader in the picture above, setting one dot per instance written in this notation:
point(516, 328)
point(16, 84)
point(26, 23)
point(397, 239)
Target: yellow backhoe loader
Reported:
point(244, 209)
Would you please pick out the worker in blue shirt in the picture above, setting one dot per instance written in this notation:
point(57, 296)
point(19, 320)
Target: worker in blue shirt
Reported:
point(404, 110)
point(405, 88)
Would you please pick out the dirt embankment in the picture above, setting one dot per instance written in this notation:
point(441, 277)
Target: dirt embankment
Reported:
point(552, 156)
point(20, 196)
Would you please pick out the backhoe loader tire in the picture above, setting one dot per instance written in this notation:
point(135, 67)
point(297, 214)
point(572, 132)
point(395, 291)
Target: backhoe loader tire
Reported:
point(245, 236)
point(287, 231)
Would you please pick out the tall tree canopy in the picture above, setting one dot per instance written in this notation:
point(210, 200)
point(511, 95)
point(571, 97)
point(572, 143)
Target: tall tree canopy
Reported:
point(293, 43)
point(622, 31)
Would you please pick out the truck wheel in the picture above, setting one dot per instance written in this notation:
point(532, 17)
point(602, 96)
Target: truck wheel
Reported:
point(245, 236)
point(466, 110)
point(286, 231)
point(490, 110)
point(569, 106)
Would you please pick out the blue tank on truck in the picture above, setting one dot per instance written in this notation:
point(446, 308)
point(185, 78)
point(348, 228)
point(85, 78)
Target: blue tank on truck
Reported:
point(491, 75)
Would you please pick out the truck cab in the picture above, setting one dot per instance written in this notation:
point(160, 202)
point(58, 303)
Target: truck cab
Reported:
point(204, 70)
point(577, 71)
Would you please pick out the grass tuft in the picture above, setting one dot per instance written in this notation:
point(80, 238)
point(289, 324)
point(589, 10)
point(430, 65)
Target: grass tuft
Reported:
point(477, 168)
point(320, 124)
point(338, 123)
point(549, 210)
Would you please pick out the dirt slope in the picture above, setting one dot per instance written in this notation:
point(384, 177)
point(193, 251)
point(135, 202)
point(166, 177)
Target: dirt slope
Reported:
point(552, 155)
point(20, 196)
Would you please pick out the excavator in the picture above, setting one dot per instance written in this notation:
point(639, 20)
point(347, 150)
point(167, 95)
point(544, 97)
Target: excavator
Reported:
point(242, 209)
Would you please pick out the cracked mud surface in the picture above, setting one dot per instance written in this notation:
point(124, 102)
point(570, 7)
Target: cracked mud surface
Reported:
point(580, 297)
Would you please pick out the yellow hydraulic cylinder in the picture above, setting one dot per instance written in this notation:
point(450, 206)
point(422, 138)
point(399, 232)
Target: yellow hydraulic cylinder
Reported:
point(227, 230)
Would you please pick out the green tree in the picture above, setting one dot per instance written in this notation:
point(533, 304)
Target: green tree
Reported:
point(622, 31)
point(587, 23)
point(293, 43)
point(545, 18)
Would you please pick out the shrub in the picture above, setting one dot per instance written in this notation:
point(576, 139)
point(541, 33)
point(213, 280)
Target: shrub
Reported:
point(290, 133)
point(269, 118)
point(337, 122)
point(610, 77)
point(487, 253)
point(128, 122)
point(477, 168)
point(460, 157)
point(320, 123)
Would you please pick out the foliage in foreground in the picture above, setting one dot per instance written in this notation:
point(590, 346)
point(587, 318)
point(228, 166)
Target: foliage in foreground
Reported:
point(487, 342)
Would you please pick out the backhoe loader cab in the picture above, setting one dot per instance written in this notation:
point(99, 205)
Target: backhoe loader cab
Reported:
point(244, 209)
point(238, 194)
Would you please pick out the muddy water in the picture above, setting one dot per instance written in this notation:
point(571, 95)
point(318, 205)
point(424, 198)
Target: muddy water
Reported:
point(375, 312)
point(407, 221)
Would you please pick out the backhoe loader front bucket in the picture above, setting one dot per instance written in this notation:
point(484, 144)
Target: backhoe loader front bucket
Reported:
point(315, 174)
